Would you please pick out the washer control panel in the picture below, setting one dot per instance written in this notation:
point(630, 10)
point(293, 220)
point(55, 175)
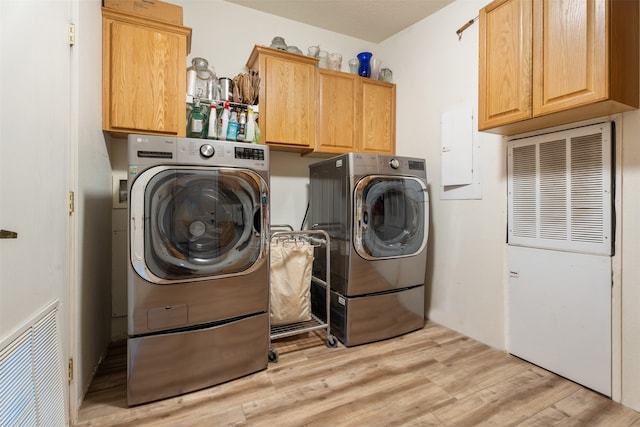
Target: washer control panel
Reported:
point(155, 149)
point(249, 153)
point(246, 153)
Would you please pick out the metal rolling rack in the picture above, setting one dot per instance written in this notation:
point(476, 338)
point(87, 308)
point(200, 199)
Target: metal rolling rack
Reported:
point(317, 238)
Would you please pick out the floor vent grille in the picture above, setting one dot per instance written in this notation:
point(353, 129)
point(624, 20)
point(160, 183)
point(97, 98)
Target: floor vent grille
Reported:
point(32, 377)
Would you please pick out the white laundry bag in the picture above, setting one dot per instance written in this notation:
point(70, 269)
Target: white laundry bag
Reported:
point(290, 281)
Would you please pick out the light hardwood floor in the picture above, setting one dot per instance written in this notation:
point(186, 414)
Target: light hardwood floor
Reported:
point(432, 377)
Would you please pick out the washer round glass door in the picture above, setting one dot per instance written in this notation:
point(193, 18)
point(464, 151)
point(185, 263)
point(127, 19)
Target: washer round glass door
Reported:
point(391, 216)
point(197, 223)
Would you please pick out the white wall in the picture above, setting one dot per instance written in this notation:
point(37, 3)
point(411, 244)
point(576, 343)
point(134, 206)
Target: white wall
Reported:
point(437, 73)
point(628, 275)
point(224, 34)
point(92, 179)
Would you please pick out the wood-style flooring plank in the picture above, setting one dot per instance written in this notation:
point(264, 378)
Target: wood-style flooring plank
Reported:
point(584, 408)
point(509, 402)
point(431, 377)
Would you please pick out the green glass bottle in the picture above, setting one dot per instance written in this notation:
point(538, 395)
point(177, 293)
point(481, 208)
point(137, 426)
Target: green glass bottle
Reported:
point(196, 128)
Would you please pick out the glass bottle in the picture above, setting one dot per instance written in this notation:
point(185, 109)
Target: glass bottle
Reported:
point(188, 116)
point(197, 121)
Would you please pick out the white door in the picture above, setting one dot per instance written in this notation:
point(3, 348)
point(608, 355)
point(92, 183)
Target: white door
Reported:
point(560, 313)
point(34, 162)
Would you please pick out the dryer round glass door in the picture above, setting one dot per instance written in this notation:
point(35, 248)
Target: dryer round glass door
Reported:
point(391, 216)
point(197, 223)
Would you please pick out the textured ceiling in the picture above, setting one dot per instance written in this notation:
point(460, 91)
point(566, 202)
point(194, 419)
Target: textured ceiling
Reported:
point(370, 20)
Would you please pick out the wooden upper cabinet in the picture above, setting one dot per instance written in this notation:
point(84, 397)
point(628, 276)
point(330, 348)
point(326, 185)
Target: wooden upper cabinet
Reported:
point(354, 114)
point(337, 109)
point(313, 110)
point(143, 75)
point(505, 62)
point(286, 98)
point(378, 126)
point(582, 62)
point(571, 48)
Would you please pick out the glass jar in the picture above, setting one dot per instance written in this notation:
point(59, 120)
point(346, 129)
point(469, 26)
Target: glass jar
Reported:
point(335, 61)
point(353, 66)
point(386, 75)
point(201, 80)
point(323, 61)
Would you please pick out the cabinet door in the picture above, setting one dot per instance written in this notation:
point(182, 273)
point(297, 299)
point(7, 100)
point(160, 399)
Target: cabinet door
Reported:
point(144, 85)
point(337, 110)
point(287, 102)
point(570, 65)
point(505, 55)
point(378, 125)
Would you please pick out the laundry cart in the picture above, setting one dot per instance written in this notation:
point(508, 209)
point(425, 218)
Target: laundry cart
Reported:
point(290, 278)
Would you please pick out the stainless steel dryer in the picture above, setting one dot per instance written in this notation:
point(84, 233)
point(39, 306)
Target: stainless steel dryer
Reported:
point(376, 211)
point(198, 292)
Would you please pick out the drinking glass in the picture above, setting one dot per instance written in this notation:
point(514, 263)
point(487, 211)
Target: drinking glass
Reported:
point(375, 68)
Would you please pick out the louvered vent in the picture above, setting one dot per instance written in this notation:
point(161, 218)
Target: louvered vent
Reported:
point(553, 190)
point(32, 377)
point(587, 210)
point(524, 194)
point(560, 190)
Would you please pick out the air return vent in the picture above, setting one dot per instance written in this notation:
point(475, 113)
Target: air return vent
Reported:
point(32, 383)
point(560, 190)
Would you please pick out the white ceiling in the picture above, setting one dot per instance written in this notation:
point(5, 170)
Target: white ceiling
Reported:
point(370, 20)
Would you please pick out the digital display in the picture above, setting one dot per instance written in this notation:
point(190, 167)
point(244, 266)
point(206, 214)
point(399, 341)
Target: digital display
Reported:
point(155, 154)
point(416, 165)
point(249, 153)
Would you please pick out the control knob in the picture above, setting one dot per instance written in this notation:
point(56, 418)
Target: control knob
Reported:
point(394, 163)
point(207, 150)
